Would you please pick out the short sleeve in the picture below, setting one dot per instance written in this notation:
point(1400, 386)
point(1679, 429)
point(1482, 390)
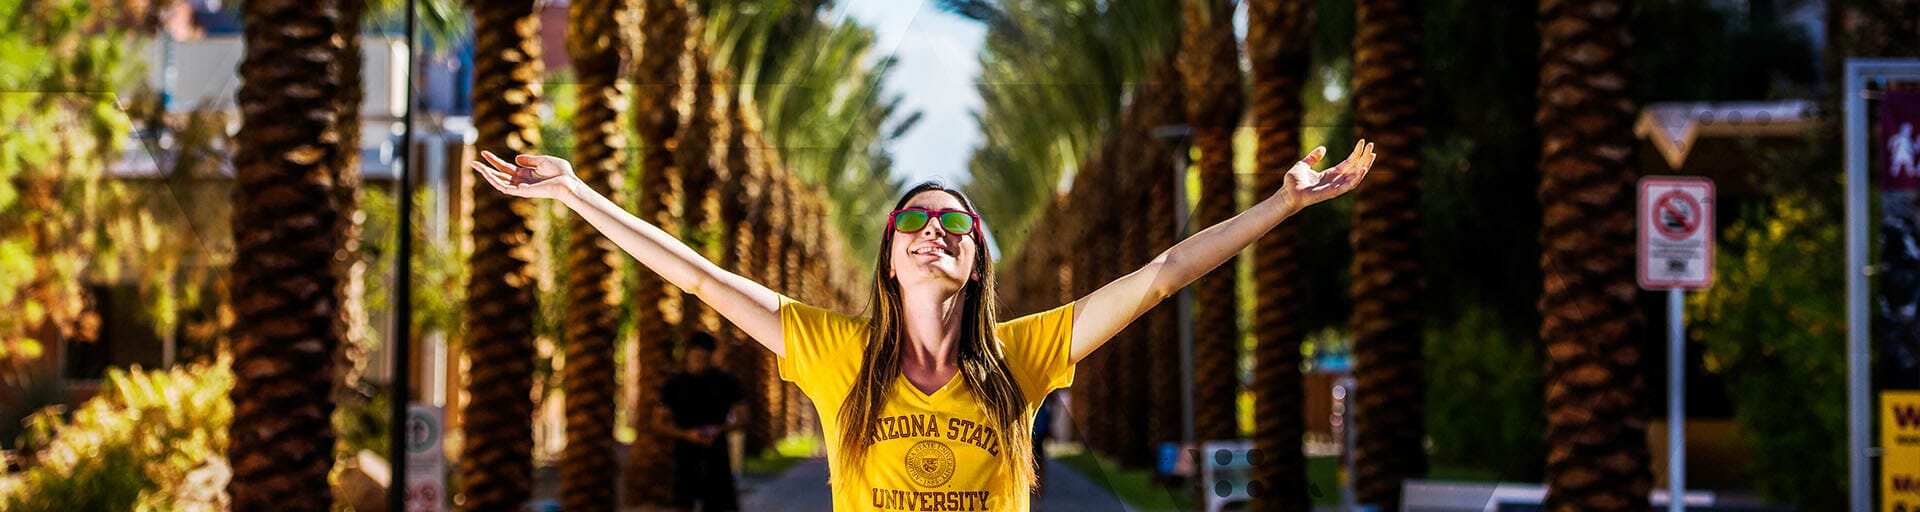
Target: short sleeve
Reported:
point(822, 349)
point(1038, 350)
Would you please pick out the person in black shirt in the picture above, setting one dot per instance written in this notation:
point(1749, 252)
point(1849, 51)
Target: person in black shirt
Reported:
point(702, 405)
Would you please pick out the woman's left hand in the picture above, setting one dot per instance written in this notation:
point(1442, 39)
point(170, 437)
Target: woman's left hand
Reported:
point(1305, 186)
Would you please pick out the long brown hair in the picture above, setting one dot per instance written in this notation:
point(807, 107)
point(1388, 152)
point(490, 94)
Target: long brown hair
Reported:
point(983, 364)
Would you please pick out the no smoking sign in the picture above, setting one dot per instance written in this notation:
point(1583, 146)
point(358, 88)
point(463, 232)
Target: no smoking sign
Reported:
point(1676, 232)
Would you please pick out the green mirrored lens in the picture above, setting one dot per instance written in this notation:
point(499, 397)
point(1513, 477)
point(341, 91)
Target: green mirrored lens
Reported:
point(910, 220)
point(956, 222)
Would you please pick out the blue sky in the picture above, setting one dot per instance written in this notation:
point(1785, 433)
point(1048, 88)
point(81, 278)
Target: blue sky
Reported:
point(938, 66)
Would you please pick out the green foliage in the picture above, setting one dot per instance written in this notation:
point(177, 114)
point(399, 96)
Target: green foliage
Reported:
point(152, 440)
point(60, 124)
point(1772, 326)
point(817, 87)
point(439, 267)
point(1053, 78)
point(1483, 398)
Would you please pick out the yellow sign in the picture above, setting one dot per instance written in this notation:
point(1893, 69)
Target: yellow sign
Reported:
point(1900, 460)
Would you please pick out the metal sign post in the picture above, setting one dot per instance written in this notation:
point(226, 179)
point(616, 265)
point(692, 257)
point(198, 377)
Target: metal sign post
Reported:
point(1676, 254)
point(1179, 134)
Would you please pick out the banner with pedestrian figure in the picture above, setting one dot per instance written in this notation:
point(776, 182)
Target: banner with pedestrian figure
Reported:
point(1899, 303)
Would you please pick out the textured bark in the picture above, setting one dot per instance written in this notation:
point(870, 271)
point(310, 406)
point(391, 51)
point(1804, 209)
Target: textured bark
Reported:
point(1211, 75)
point(1130, 359)
point(284, 280)
point(496, 468)
point(773, 271)
point(741, 208)
point(1389, 404)
point(702, 159)
point(595, 40)
point(1596, 426)
point(1278, 33)
point(658, 74)
point(1091, 407)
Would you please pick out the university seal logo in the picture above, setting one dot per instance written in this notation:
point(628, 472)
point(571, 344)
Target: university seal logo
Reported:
point(930, 464)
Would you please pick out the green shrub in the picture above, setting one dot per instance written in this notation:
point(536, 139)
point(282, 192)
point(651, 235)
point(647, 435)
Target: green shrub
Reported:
point(152, 440)
point(1772, 326)
point(1484, 399)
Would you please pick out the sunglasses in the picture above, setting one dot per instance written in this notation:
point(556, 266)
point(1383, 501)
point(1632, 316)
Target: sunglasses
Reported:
point(908, 220)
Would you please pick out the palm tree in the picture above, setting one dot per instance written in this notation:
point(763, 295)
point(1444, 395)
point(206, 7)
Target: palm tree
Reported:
point(497, 462)
point(1054, 76)
point(790, 277)
point(701, 156)
point(1389, 401)
point(1596, 439)
point(1277, 44)
point(595, 41)
point(772, 263)
point(741, 199)
point(283, 278)
point(1211, 73)
point(658, 73)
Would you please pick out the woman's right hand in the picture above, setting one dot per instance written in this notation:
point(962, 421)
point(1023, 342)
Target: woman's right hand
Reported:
point(535, 176)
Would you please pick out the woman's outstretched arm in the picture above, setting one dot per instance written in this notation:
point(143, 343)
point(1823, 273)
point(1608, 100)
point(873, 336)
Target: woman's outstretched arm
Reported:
point(749, 305)
point(1101, 314)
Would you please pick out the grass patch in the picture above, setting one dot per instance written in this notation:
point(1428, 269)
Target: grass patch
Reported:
point(1135, 487)
point(785, 453)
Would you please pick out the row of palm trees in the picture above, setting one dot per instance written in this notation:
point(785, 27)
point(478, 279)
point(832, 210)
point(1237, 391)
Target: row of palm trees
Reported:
point(1597, 458)
point(710, 169)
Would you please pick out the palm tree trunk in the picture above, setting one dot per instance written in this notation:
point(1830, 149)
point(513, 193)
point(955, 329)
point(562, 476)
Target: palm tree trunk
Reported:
point(773, 270)
point(595, 39)
point(1131, 359)
point(1278, 34)
point(741, 197)
point(702, 159)
point(1210, 67)
point(497, 462)
point(1596, 439)
point(659, 71)
point(1389, 401)
point(1089, 388)
point(283, 276)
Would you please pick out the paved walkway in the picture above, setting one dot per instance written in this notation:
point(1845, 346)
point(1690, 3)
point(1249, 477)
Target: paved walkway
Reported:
point(803, 488)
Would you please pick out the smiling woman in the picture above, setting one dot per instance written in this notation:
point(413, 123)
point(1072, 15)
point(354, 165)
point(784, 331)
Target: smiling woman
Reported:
point(929, 397)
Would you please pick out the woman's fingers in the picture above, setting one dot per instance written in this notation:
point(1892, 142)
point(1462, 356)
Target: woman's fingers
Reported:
point(492, 176)
point(496, 174)
point(499, 163)
point(1313, 157)
point(527, 160)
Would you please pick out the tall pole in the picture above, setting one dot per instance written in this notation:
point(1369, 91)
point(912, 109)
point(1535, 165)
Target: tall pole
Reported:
point(398, 394)
point(1858, 322)
point(1178, 134)
point(1676, 401)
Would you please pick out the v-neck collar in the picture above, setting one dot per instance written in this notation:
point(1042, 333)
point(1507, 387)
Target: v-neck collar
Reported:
point(940, 391)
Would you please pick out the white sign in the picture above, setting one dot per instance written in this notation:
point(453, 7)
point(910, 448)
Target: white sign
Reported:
point(426, 459)
point(1676, 232)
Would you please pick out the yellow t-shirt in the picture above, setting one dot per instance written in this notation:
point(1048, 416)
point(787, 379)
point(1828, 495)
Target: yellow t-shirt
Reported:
point(935, 452)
